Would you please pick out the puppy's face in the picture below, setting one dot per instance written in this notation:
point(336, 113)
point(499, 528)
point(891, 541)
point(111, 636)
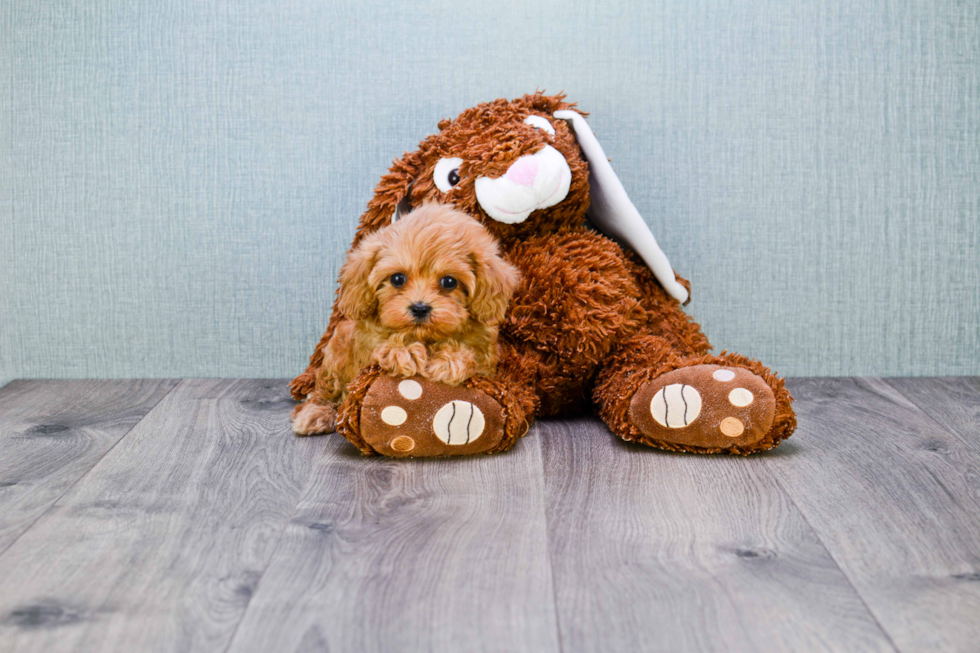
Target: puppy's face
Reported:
point(428, 274)
point(427, 295)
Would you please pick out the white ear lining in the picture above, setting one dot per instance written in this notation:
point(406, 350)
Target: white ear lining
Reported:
point(613, 212)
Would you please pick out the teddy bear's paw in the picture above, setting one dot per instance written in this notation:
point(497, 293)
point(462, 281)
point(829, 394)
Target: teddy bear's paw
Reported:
point(314, 419)
point(705, 406)
point(419, 418)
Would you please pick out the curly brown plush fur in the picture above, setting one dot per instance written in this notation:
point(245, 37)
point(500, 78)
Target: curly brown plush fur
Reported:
point(588, 321)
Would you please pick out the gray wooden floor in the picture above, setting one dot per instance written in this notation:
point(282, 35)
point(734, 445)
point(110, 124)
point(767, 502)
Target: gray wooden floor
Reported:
point(183, 516)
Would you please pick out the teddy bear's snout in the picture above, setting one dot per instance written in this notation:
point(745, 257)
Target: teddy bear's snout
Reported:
point(532, 182)
point(524, 171)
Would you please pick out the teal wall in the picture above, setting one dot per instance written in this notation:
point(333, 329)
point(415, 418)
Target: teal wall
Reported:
point(180, 180)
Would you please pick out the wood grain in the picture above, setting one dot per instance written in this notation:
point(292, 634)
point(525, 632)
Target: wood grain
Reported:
point(210, 527)
point(411, 555)
point(953, 402)
point(53, 432)
point(663, 552)
point(895, 498)
point(162, 543)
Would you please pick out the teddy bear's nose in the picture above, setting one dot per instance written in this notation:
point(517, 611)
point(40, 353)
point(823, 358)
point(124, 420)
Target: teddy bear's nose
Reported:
point(523, 171)
point(420, 310)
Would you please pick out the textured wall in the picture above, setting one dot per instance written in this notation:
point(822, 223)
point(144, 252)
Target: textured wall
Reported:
point(180, 180)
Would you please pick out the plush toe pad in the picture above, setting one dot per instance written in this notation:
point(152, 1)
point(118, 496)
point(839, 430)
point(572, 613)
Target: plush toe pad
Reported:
point(418, 418)
point(705, 406)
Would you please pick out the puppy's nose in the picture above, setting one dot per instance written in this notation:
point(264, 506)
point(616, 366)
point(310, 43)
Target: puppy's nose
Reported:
point(420, 310)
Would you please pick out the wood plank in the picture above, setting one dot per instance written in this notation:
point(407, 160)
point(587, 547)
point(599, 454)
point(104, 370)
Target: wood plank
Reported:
point(655, 551)
point(411, 555)
point(895, 498)
point(53, 432)
point(161, 545)
point(953, 402)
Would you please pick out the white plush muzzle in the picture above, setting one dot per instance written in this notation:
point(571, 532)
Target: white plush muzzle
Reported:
point(534, 181)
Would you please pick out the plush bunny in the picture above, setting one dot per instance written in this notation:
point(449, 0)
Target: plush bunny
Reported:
point(594, 323)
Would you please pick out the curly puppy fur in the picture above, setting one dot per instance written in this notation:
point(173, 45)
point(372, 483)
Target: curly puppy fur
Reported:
point(583, 306)
point(421, 297)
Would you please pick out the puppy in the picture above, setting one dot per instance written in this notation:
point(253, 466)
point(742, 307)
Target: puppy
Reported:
point(422, 296)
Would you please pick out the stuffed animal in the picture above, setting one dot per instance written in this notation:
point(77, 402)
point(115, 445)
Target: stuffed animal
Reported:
point(595, 322)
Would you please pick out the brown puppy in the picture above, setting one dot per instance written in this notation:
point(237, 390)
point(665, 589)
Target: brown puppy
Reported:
point(423, 297)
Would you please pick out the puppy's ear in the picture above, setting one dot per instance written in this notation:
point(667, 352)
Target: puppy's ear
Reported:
point(496, 280)
point(357, 299)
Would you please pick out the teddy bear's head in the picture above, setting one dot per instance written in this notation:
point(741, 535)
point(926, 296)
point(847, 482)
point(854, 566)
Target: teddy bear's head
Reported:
point(522, 168)
point(510, 164)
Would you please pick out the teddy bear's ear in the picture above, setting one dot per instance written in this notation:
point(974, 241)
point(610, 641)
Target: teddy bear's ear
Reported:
point(404, 206)
point(613, 212)
point(391, 198)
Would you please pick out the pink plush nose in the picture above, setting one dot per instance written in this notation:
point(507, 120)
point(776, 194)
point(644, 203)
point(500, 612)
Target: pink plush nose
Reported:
point(523, 172)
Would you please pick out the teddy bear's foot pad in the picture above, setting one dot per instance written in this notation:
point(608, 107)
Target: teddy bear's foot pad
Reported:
point(418, 418)
point(705, 406)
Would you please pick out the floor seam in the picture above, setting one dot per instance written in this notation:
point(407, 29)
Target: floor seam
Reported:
point(275, 549)
point(955, 432)
point(823, 545)
point(547, 540)
point(93, 466)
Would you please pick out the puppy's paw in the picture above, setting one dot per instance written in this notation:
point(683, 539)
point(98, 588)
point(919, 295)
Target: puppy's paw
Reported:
point(401, 360)
point(314, 419)
point(451, 368)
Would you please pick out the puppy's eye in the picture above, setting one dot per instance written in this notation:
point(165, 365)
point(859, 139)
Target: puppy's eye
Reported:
point(448, 283)
point(540, 123)
point(446, 174)
point(397, 280)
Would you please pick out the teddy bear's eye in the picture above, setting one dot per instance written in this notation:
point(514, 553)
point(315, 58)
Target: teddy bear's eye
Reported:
point(446, 174)
point(397, 280)
point(540, 123)
point(448, 283)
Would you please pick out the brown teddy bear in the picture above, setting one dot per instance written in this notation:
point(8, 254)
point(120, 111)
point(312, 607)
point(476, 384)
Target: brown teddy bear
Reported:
point(593, 323)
